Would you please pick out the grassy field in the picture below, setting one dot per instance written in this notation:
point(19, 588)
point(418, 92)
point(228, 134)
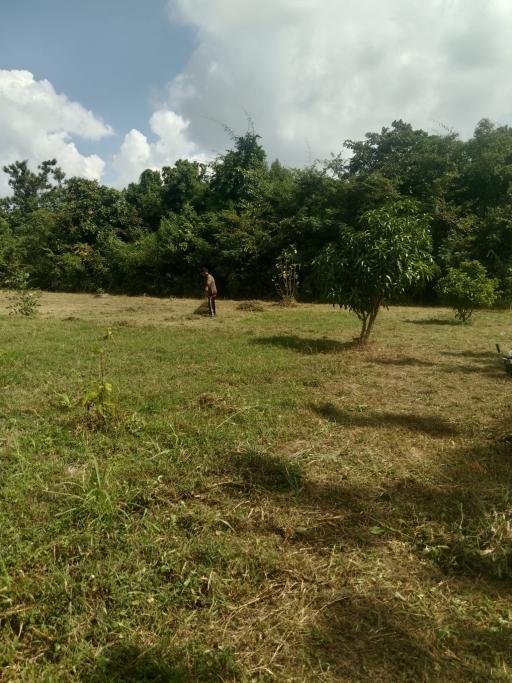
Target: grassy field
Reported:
point(269, 503)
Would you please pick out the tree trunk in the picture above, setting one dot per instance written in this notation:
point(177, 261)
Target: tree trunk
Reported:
point(363, 330)
point(368, 326)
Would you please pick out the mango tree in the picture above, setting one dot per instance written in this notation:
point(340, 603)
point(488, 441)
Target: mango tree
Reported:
point(387, 254)
point(466, 288)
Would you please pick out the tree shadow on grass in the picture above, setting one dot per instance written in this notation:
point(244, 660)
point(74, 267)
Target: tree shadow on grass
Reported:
point(432, 425)
point(456, 522)
point(305, 345)
point(128, 663)
point(377, 632)
point(487, 370)
point(476, 362)
point(268, 472)
point(463, 522)
point(485, 355)
point(407, 361)
point(381, 636)
point(337, 514)
point(375, 636)
point(435, 321)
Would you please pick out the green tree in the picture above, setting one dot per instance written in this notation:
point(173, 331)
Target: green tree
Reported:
point(426, 167)
point(40, 247)
point(467, 288)
point(239, 249)
point(238, 175)
point(90, 209)
point(31, 191)
point(23, 300)
point(493, 243)
point(9, 248)
point(147, 197)
point(485, 180)
point(365, 192)
point(416, 161)
point(184, 183)
point(385, 256)
point(180, 247)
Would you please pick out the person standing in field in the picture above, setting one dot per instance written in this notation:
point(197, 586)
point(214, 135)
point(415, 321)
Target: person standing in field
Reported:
point(210, 289)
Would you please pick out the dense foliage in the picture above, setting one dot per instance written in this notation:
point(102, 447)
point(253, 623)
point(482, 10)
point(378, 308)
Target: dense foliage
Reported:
point(466, 288)
point(239, 214)
point(386, 255)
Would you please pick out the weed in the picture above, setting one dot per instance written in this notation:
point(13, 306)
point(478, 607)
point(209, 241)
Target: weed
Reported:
point(90, 499)
point(23, 300)
point(98, 400)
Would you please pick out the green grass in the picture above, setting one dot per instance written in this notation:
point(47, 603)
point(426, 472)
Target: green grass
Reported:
point(269, 503)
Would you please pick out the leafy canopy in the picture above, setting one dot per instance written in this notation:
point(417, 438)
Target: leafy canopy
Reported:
point(387, 255)
point(467, 288)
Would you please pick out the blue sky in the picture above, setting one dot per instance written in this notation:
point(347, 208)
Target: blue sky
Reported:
point(111, 87)
point(112, 56)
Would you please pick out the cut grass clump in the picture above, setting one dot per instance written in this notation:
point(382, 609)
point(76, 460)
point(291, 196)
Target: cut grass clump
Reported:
point(482, 546)
point(213, 401)
point(250, 306)
point(202, 309)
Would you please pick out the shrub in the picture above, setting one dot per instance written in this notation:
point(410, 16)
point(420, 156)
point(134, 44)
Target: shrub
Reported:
point(467, 288)
point(286, 278)
point(23, 300)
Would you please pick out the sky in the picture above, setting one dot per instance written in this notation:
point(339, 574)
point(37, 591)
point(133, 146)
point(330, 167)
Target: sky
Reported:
point(111, 87)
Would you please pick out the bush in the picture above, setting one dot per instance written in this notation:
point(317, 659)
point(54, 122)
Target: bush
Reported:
point(286, 278)
point(23, 300)
point(467, 288)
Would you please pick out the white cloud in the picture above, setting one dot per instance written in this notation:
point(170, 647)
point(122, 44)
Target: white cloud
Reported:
point(312, 73)
point(36, 123)
point(172, 143)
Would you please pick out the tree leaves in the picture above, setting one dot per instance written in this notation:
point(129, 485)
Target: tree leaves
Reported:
point(387, 255)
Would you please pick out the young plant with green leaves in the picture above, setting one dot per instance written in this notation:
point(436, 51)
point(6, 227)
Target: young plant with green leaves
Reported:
point(98, 400)
point(467, 288)
point(286, 277)
point(389, 253)
point(23, 300)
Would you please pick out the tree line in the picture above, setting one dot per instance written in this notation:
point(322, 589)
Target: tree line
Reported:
point(239, 214)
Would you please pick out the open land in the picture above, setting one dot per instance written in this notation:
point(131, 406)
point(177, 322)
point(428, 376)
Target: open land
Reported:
point(264, 501)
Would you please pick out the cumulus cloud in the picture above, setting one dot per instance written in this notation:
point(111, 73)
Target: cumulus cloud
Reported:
point(172, 142)
point(37, 123)
point(312, 73)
